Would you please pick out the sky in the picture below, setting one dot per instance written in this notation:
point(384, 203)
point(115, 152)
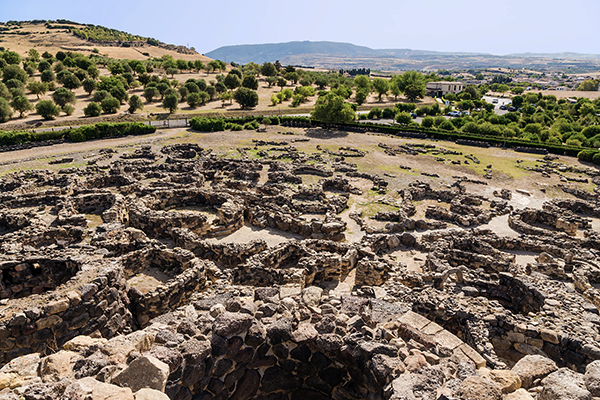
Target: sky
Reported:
point(483, 26)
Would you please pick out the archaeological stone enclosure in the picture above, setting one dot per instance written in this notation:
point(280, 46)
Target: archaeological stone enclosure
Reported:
point(168, 269)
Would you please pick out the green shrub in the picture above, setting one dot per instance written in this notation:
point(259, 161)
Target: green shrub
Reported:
point(207, 124)
point(48, 135)
point(388, 113)
point(407, 107)
point(69, 109)
point(374, 113)
point(253, 125)
point(92, 110)
point(236, 127)
point(13, 137)
point(428, 122)
point(403, 118)
point(104, 129)
point(587, 155)
point(596, 158)
point(447, 126)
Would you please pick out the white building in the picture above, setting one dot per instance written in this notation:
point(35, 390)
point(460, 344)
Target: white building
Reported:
point(438, 89)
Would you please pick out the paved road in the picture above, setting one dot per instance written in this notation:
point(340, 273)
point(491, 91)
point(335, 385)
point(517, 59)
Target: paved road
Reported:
point(501, 101)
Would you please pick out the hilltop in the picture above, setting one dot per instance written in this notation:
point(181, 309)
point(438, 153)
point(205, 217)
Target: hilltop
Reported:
point(64, 35)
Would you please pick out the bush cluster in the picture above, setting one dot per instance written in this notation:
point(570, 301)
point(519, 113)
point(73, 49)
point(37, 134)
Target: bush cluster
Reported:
point(81, 134)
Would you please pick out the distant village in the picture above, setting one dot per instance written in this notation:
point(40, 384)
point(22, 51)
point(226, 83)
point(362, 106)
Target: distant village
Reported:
point(529, 79)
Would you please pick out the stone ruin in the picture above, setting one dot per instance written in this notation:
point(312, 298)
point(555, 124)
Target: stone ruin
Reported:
point(112, 285)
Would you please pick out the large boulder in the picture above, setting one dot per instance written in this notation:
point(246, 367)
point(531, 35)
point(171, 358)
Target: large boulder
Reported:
point(478, 388)
point(564, 384)
point(144, 372)
point(57, 366)
point(520, 394)
point(24, 366)
point(592, 378)
point(90, 388)
point(228, 323)
point(119, 347)
point(311, 296)
point(509, 381)
point(83, 342)
point(150, 394)
point(530, 368)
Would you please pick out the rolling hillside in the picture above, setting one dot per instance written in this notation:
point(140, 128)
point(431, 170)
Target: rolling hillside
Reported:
point(64, 35)
point(347, 55)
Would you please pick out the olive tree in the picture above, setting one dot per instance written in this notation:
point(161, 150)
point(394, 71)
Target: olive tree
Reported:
point(135, 103)
point(47, 109)
point(63, 96)
point(110, 105)
point(331, 108)
point(170, 101)
point(22, 105)
point(37, 88)
point(246, 97)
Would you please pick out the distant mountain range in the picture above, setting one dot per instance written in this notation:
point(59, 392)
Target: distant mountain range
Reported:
point(270, 52)
point(347, 55)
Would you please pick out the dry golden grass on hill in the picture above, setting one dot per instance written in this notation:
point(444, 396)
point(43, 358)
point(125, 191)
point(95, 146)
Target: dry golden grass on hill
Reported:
point(53, 40)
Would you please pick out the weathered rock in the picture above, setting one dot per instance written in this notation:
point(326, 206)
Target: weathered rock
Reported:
point(386, 368)
point(121, 346)
point(231, 323)
point(280, 331)
point(144, 372)
point(509, 381)
point(478, 388)
point(150, 394)
point(247, 386)
point(57, 366)
point(533, 367)
point(172, 358)
point(195, 351)
point(311, 296)
point(415, 362)
point(95, 390)
point(592, 378)
point(24, 366)
point(520, 394)
point(564, 384)
point(82, 342)
point(304, 333)
point(5, 380)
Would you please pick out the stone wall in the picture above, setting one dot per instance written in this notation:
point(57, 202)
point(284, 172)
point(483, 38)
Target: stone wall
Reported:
point(332, 228)
point(550, 217)
point(21, 278)
point(298, 264)
point(99, 305)
point(159, 224)
point(171, 295)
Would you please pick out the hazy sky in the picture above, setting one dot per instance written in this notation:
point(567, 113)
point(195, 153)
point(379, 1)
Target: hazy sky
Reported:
point(497, 27)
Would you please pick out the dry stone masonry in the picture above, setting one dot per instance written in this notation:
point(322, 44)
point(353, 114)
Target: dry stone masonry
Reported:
point(117, 281)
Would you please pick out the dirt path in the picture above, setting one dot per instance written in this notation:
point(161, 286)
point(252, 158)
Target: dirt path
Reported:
point(73, 148)
point(247, 233)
